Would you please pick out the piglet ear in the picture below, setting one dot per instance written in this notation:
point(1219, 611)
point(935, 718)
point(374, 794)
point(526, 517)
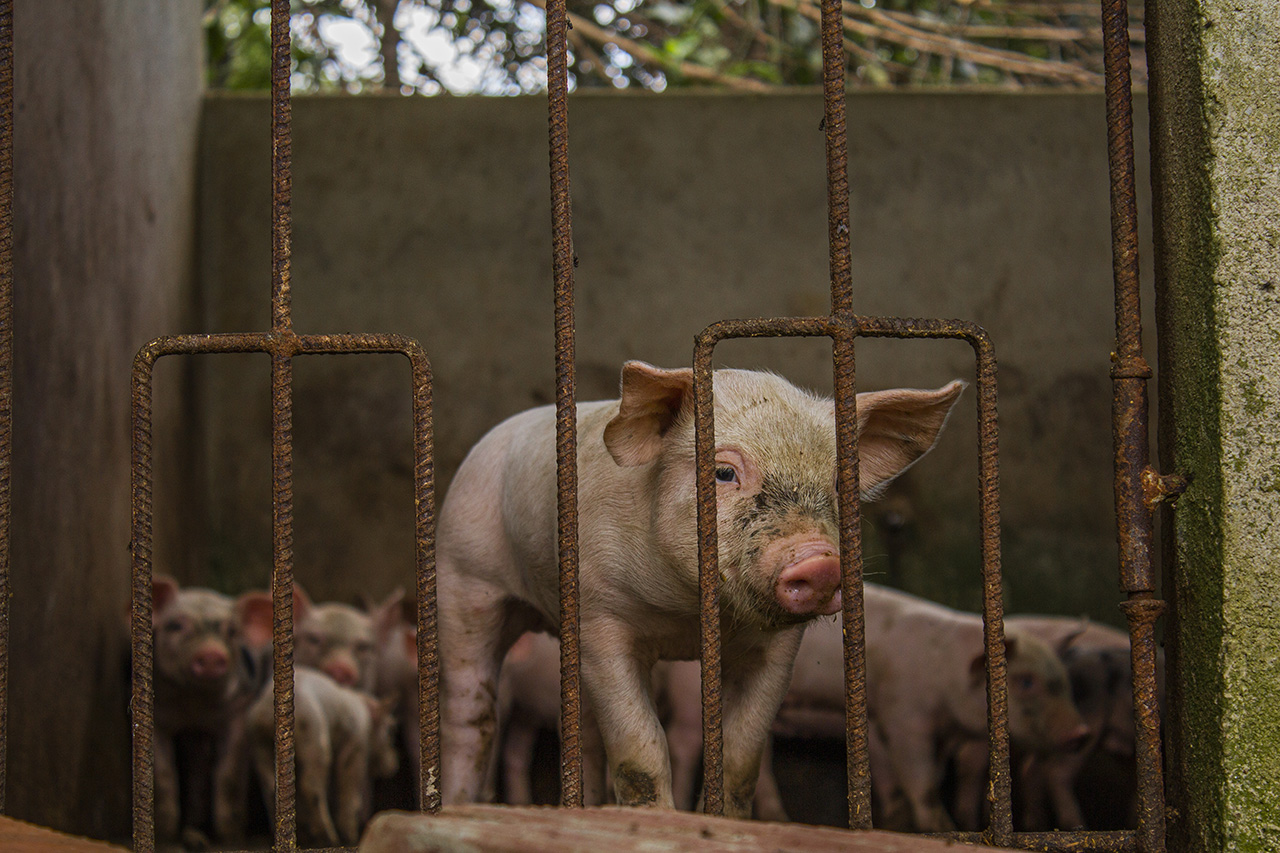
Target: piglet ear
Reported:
point(163, 590)
point(301, 603)
point(256, 617)
point(388, 615)
point(896, 428)
point(651, 400)
point(978, 666)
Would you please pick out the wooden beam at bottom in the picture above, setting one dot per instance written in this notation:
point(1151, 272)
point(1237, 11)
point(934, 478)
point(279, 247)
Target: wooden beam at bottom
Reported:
point(545, 829)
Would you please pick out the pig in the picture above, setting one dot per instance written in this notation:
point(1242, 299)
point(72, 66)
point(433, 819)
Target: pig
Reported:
point(775, 472)
point(926, 685)
point(1097, 660)
point(343, 740)
point(340, 640)
point(396, 680)
point(203, 680)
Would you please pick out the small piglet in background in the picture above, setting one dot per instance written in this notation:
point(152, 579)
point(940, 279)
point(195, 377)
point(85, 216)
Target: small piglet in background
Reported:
point(340, 640)
point(1050, 788)
point(343, 740)
point(396, 681)
point(775, 471)
point(202, 654)
point(926, 685)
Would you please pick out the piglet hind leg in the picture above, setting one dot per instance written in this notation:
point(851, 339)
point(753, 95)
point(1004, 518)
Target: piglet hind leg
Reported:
point(473, 640)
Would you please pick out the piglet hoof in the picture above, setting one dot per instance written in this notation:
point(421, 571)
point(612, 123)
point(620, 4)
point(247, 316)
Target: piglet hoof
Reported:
point(810, 585)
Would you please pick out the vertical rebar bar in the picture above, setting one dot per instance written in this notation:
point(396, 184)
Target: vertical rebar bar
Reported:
point(1130, 372)
point(566, 410)
point(837, 148)
point(6, 364)
point(142, 698)
point(708, 576)
point(857, 758)
point(282, 426)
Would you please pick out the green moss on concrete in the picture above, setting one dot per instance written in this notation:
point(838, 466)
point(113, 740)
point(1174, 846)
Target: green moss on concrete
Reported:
point(1217, 192)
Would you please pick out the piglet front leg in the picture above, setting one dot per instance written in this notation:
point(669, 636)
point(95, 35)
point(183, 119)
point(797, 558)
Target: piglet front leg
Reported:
point(619, 688)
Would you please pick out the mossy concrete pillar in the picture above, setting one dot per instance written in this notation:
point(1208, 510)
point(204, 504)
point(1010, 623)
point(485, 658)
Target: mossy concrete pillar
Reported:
point(1215, 120)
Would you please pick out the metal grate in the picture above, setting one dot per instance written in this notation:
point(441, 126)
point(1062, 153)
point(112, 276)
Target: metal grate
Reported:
point(282, 344)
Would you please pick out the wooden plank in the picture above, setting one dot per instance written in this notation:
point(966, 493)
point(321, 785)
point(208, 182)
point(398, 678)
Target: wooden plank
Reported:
point(614, 829)
point(19, 837)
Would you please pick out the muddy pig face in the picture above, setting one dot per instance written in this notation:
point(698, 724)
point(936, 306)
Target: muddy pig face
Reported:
point(775, 470)
point(195, 634)
point(1042, 716)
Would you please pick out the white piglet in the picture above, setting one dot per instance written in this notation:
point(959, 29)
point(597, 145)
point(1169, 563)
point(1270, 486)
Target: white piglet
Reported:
point(775, 470)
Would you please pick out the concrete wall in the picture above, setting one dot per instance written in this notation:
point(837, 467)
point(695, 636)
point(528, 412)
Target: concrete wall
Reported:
point(1215, 71)
point(107, 96)
point(431, 218)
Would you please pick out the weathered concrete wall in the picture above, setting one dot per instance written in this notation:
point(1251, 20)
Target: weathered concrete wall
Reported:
point(1215, 71)
point(107, 97)
point(431, 218)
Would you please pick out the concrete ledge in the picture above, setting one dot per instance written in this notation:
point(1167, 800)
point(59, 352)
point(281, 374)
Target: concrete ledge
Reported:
point(497, 829)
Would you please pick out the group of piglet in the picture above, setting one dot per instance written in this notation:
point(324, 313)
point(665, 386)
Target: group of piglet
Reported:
point(215, 711)
point(498, 590)
point(1070, 710)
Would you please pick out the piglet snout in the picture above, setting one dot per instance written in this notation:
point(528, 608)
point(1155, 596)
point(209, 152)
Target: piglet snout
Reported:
point(210, 663)
point(810, 583)
point(1075, 739)
point(343, 672)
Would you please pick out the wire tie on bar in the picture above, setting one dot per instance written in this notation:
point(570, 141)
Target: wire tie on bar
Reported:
point(1157, 488)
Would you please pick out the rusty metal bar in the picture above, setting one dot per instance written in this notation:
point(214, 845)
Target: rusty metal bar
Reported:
point(1138, 489)
point(853, 614)
point(6, 364)
point(282, 345)
point(833, 122)
point(282, 429)
point(142, 700)
point(843, 331)
point(1056, 842)
point(281, 348)
point(999, 791)
point(566, 408)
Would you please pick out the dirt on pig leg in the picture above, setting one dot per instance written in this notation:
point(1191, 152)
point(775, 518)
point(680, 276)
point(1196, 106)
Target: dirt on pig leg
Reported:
point(475, 634)
point(619, 688)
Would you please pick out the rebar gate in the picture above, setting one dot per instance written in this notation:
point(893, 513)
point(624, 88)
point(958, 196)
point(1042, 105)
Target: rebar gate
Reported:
point(1139, 489)
point(282, 344)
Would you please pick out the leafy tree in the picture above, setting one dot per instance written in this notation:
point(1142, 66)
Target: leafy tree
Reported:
point(496, 46)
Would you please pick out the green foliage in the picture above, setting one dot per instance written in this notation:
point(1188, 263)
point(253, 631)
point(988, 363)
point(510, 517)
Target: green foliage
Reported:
point(496, 46)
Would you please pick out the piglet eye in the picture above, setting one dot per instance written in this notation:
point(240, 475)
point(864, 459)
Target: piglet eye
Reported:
point(726, 474)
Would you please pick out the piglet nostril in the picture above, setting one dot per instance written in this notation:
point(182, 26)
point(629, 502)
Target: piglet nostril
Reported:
point(810, 586)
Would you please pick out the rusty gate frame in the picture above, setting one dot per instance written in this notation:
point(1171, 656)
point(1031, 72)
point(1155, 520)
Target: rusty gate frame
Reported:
point(282, 344)
point(1139, 488)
